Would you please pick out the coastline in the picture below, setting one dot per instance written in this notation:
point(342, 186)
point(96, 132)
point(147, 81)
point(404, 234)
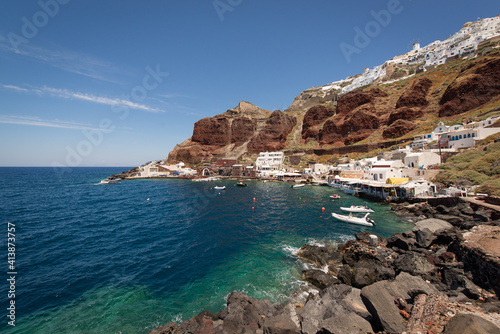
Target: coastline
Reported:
point(443, 273)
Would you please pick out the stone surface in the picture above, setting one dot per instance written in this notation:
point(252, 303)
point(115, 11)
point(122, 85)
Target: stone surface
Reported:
point(349, 323)
point(434, 225)
point(380, 297)
point(470, 324)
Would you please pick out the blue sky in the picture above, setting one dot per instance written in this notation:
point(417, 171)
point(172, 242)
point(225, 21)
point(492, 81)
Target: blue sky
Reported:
point(119, 83)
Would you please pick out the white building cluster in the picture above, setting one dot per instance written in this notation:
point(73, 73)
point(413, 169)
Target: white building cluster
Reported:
point(462, 43)
point(458, 136)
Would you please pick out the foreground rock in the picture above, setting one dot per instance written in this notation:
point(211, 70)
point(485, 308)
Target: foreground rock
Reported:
point(436, 278)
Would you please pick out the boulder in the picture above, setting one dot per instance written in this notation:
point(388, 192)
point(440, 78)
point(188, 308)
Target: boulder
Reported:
point(349, 323)
point(332, 302)
point(319, 255)
point(400, 241)
point(434, 225)
point(416, 264)
point(470, 324)
point(345, 274)
point(369, 272)
point(243, 311)
point(279, 324)
point(380, 297)
point(319, 279)
point(425, 237)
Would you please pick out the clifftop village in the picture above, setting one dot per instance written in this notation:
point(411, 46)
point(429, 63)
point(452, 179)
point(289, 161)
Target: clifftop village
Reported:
point(401, 174)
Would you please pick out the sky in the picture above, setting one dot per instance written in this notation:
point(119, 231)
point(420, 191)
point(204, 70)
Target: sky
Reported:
point(121, 82)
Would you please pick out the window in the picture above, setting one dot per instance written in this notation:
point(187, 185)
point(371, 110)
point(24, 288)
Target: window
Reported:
point(460, 137)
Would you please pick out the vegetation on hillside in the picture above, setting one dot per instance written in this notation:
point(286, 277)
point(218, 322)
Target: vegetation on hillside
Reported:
point(479, 166)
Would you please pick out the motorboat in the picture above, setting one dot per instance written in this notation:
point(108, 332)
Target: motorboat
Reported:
point(220, 187)
point(241, 184)
point(297, 185)
point(357, 208)
point(365, 221)
point(335, 196)
point(110, 181)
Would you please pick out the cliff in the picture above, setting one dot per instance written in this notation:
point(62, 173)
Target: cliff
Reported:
point(407, 95)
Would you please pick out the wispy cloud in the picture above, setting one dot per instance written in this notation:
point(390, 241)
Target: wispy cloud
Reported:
point(69, 61)
point(67, 94)
point(36, 121)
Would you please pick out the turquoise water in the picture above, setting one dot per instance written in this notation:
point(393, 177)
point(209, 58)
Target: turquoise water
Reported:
point(128, 257)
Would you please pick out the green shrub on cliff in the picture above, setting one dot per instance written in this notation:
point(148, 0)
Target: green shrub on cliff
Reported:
point(480, 166)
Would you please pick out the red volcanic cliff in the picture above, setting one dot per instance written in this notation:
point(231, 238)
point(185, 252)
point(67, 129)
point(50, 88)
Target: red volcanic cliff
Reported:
point(475, 85)
point(274, 135)
point(314, 117)
point(246, 128)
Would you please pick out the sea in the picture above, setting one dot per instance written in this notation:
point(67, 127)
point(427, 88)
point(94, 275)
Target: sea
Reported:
point(129, 257)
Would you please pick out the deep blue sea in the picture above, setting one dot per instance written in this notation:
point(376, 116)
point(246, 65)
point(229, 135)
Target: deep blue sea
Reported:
point(128, 257)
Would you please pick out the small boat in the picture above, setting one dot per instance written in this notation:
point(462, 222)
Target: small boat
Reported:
point(365, 221)
point(357, 208)
point(220, 187)
point(241, 184)
point(335, 196)
point(297, 185)
point(110, 181)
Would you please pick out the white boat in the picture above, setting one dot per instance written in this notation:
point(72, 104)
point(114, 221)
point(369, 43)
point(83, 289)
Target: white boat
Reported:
point(110, 181)
point(297, 185)
point(220, 187)
point(365, 221)
point(357, 208)
point(335, 196)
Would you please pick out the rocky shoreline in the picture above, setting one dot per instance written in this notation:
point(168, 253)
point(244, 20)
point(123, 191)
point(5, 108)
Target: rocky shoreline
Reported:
point(441, 277)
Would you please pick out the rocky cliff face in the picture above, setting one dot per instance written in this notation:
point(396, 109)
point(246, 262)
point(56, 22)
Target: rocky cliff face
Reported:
point(321, 118)
point(475, 85)
point(246, 128)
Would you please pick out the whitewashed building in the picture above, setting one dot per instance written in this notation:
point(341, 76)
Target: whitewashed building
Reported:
point(271, 160)
point(422, 159)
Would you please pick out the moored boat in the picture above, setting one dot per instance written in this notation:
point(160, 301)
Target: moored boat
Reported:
point(241, 184)
point(220, 187)
point(357, 208)
point(297, 185)
point(365, 221)
point(335, 196)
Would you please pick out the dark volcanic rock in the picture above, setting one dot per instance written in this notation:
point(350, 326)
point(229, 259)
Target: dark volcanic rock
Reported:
point(319, 255)
point(398, 129)
point(400, 241)
point(319, 279)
